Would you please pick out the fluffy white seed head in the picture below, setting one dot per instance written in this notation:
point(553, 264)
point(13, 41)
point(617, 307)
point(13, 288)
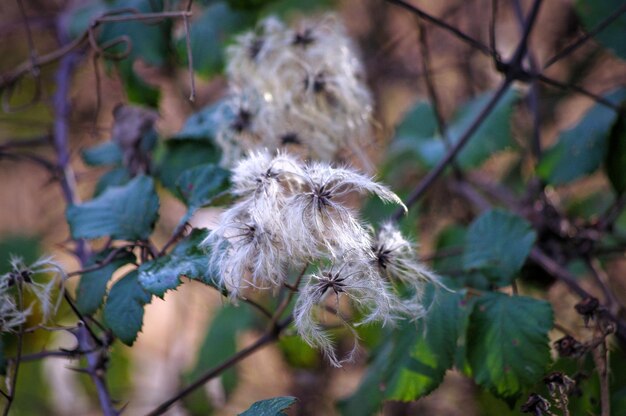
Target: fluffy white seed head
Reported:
point(300, 88)
point(366, 292)
point(395, 258)
point(44, 279)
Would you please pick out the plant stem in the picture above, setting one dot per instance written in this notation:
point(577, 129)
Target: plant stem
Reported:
point(269, 337)
point(429, 179)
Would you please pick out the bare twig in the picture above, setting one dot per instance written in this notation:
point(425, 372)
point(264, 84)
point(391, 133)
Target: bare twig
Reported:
point(112, 256)
point(440, 23)
point(522, 47)
point(533, 95)
point(492, 30)
point(12, 76)
point(612, 214)
point(96, 369)
point(575, 88)
point(430, 178)
point(600, 359)
point(258, 307)
point(285, 303)
point(269, 337)
point(581, 40)
point(601, 278)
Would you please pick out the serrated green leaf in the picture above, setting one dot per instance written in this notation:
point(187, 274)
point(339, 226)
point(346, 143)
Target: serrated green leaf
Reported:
point(93, 285)
point(431, 349)
point(492, 136)
point(593, 12)
point(209, 33)
point(126, 212)
point(270, 407)
point(507, 343)
point(421, 353)
point(107, 153)
point(199, 185)
point(581, 149)
point(615, 162)
point(178, 155)
point(497, 244)
point(187, 259)
point(124, 307)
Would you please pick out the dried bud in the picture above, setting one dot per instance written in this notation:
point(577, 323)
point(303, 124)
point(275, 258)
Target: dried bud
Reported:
point(587, 308)
point(569, 347)
point(132, 127)
point(536, 405)
point(559, 382)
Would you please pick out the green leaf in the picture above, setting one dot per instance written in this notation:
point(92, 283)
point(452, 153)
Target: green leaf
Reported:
point(421, 353)
point(114, 177)
point(615, 161)
point(209, 33)
point(270, 407)
point(198, 186)
point(593, 12)
point(428, 352)
point(126, 212)
point(507, 343)
point(178, 155)
point(497, 244)
point(187, 259)
point(149, 41)
point(107, 153)
point(220, 343)
point(93, 285)
point(492, 136)
point(581, 149)
point(137, 90)
point(124, 307)
point(206, 123)
point(420, 122)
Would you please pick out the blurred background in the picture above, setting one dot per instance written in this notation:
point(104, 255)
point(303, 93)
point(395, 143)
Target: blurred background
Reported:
point(391, 41)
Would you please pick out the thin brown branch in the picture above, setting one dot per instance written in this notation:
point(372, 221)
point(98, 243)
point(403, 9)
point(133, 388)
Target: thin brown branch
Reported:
point(575, 88)
point(600, 358)
point(583, 39)
point(112, 256)
point(612, 214)
point(285, 303)
point(602, 280)
point(443, 25)
point(258, 307)
point(430, 178)
point(492, 30)
point(12, 76)
point(269, 337)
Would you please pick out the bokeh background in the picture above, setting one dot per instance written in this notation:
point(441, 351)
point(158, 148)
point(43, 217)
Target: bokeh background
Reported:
point(33, 209)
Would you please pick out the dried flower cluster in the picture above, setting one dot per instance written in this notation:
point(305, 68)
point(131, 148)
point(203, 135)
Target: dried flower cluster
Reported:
point(292, 216)
point(39, 279)
point(301, 89)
